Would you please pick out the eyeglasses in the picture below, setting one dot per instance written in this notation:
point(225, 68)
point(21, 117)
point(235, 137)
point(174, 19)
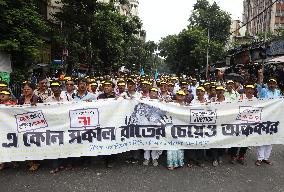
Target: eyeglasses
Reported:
point(69, 84)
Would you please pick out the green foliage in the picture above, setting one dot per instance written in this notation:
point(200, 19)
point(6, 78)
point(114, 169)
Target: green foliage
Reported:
point(206, 16)
point(18, 76)
point(140, 54)
point(186, 51)
point(96, 34)
point(21, 30)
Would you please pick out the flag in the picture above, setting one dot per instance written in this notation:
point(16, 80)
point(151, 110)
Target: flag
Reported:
point(156, 74)
point(142, 72)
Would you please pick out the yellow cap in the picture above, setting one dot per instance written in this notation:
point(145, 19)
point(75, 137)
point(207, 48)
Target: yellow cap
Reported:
point(274, 80)
point(200, 88)
point(67, 78)
point(180, 92)
point(147, 82)
point(5, 93)
point(230, 81)
point(220, 88)
point(55, 84)
point(94, 84)
point(207, 83)
point(184, 82)
point(154, 89)
point(121, 84)
point(250, 86)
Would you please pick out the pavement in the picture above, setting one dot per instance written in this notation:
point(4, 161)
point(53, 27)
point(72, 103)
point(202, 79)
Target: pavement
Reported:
point(126, 177)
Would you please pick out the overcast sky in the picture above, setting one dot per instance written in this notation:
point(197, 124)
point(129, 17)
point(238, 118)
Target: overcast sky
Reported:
point(164, 17)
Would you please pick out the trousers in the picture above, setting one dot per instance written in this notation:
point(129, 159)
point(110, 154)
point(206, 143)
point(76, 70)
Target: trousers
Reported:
point(234, 151)
point(151, 153)
point(263, 152)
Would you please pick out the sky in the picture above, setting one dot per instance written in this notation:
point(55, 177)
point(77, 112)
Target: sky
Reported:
point(166, 17)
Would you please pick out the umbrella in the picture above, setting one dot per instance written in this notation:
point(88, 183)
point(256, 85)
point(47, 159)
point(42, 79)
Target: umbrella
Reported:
point(235, 77)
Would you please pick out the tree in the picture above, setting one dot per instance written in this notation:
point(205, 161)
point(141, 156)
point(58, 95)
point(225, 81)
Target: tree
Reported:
point(22, 29)
point(212, 18)
point(186, 52)
point(95, 34)
point(140, 54)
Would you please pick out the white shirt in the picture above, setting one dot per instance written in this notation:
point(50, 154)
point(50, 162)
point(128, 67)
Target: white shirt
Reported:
point(62, 98)
point(196, 101)
point(128, 95)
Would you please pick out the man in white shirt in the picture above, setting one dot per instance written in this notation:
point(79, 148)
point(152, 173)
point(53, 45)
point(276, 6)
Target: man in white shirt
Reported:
point(57, 95)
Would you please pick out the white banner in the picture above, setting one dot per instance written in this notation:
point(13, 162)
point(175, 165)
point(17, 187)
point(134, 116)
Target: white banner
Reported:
point(60, 130)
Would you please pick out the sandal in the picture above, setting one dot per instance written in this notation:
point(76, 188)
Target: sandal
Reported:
point(190, 164)
point(34, 167)
point(171, 168)
point(267, 162)
point(258, 162)
point(53, 171)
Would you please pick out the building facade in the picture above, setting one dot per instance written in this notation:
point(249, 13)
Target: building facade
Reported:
point(262, 17)
point(129, 9)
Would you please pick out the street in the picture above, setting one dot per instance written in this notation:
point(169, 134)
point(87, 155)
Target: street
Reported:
point(136, 177)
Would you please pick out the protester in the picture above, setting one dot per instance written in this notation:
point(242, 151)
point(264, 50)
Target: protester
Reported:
point(57, 164)
point(131, 90)
point(70, 88)
point(145, 88)
point(184, 87)
point(212, 93)
point(217, 153)
point(197, 155)
point(164, 94)
point(6, 98)
point(171, 89)
point(57, 95)
point(132, 93)
point(94, 88)
point(108, 94)
point(82, 92)
point(43, 91)
point(238, 154)
point(230, 93)
point(3, 86)
point(263, 152)
point(121, 85)
point(154, 154)
point(175, 158)
point(29, 98)
point(193, 86)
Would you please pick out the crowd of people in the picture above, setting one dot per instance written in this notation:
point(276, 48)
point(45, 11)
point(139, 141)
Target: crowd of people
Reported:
point(181, 90)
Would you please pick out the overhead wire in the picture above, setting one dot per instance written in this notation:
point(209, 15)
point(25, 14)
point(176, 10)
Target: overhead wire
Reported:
point(255, 17)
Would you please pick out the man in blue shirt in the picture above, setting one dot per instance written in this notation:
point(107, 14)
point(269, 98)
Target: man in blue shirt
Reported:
point(263, 152)
point(82, 93)
point(270, 91)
